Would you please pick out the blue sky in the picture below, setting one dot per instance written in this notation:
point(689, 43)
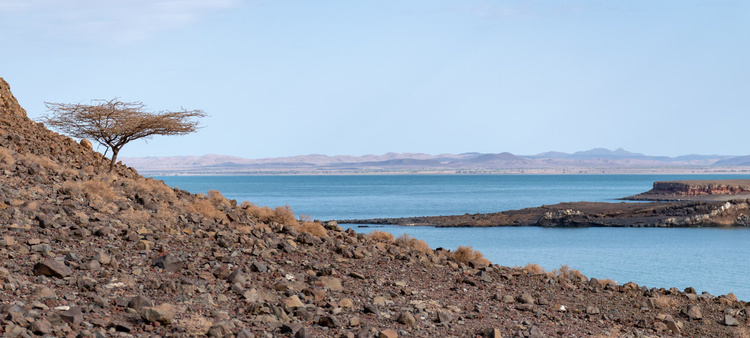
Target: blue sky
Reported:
point(286, 77)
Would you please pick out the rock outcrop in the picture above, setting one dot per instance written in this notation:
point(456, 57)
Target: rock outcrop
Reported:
point(594, 214)
point(697, 190)
point(90, 254)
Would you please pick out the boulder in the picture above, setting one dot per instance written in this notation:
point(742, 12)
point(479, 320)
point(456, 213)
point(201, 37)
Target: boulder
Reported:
point(163, 313)
point(52, 268)
point(170, 263)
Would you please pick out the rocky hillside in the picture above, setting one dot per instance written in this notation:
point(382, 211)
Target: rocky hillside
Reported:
point(88, 254)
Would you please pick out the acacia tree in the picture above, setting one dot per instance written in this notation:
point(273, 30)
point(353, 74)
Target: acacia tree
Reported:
point(114, 123)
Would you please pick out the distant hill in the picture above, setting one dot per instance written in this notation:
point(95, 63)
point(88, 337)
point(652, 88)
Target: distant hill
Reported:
point(398, 162)
point(734, 161)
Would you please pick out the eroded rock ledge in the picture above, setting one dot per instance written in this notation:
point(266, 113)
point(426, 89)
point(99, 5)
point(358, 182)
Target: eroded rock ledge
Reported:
point(705, 190)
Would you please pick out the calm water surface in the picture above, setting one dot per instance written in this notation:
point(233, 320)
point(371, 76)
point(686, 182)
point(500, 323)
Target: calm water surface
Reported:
point(709, 259)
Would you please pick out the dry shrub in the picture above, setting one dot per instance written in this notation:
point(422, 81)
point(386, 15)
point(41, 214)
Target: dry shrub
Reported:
point(381, 236)
point(665, 302)
point(313, 228)
point(566, 272)
point(91, 188)
point(218, 200)
point(205, 207)
point(134, 217)
point(282, 215)
point(6, 158)
point(68, 172)
point(262, 214)
point(466, 254)
point(44, 162)
point(148, 187)
point(407, 241)
point(165, 215)
point(194, 325)
point(263, 227)
point(534, 269)
point(604, 282)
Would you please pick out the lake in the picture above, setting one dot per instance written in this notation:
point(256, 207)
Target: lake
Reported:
point(708, 259)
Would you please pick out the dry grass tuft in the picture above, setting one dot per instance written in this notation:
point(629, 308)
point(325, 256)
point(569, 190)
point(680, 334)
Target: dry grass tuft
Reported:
point(566, 272)
point(605, 282)
point(466, 254)
point(313, 228)
point(194, 325)
point(665, 302)
point(203, 206)
point(282, 215)
point(148, 187)
point(97, 186)
point(6, 158)
point(133, 217)
point(44, 162)
point(534, 269)
point(381, 236)
point(165, 215)
point(406, 241)
point(218, 200)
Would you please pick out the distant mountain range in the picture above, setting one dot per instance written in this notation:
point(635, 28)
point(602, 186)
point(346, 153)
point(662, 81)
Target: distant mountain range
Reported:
point(598, 158)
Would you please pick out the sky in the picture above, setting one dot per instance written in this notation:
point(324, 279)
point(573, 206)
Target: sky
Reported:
point(295, 77)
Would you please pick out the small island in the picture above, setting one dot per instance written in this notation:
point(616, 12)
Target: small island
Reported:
point(694, 203)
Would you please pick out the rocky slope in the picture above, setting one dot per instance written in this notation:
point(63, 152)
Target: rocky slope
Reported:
point(88, 254)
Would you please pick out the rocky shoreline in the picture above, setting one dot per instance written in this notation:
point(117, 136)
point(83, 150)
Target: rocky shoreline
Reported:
point(696, 203)
point(88, 254)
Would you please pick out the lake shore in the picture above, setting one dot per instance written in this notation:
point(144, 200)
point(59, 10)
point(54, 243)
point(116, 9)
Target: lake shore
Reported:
point(693, 203)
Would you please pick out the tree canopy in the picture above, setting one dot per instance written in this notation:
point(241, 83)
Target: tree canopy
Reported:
point(114, 123)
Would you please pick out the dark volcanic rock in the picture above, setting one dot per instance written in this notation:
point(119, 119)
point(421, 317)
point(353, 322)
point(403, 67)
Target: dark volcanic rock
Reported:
point(52, 268)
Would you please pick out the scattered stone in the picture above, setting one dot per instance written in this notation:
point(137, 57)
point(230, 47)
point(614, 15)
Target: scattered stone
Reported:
point(72, 315)
point(328, 321)
point(139, 302)
point(387, 333)
point(170, 263)
point(163, 313)
point(525, 307)
point(256, 266)
point(41, 326)
point(408, 320)
point(293, 302)
point(491, 333)
point(444, 317)
point(52, 268)
point(592, 310)
point(673, 326)
point(525, 298)
point(346, 303)
point(237, 276)
point(694, 312)
point(730, 320)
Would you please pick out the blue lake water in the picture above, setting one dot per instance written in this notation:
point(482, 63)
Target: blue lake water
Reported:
point(709, 259)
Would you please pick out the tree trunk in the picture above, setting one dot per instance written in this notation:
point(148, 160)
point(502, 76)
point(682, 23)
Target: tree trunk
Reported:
point(114, 159)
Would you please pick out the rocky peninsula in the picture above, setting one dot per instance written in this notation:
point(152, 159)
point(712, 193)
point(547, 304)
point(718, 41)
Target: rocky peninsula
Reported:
point(695, 203)
point(89, 254)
